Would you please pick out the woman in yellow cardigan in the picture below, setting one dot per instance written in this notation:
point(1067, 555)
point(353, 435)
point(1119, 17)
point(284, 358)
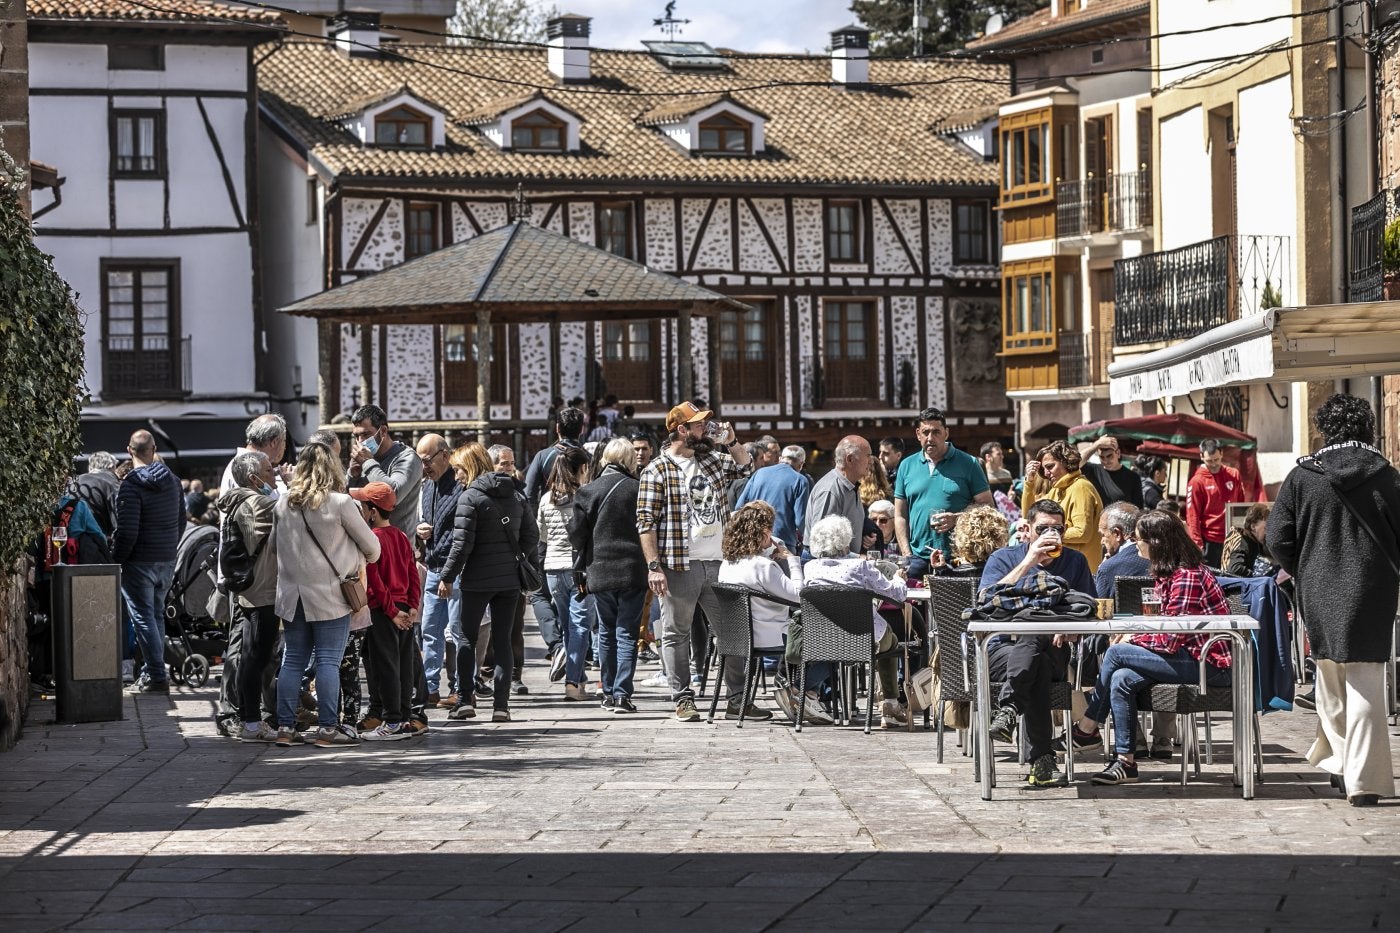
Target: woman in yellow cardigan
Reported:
point(1054, 474)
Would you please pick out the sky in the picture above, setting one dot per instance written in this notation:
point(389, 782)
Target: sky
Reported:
point(742, 25)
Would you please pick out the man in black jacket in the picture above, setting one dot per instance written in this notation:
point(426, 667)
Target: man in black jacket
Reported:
point(98, 488)
point(150, 520)
point(1336, 528)
point(434, 532)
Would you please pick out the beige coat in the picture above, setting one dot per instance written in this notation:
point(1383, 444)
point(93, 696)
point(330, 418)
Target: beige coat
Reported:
point(302, 573)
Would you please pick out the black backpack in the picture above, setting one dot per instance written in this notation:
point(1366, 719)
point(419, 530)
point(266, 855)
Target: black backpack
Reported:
point(235, 563)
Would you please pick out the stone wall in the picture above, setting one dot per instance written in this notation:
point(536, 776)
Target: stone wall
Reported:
point(14, 661)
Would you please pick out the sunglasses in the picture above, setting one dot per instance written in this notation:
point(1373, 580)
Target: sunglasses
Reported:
point(1041, 529)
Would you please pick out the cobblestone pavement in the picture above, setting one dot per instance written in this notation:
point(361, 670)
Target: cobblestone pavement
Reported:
point(571, 818)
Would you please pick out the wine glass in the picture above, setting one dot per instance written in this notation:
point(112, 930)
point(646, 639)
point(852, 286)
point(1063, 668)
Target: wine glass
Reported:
point(58, 534)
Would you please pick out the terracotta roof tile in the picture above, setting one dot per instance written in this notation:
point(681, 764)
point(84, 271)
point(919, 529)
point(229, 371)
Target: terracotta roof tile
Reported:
point(1041, 23)
point(815, 133)
point(675, 110)
point(489, 112)
point(965, 119)
point(157, 11)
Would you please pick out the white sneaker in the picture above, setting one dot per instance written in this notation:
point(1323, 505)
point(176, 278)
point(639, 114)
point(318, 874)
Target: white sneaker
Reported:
point(386, 732)
point(556, 664)
point(893, 715)
point(814, 714)
point(657, 680)
point(783, 697)
point(262, 732)
point(335, 737)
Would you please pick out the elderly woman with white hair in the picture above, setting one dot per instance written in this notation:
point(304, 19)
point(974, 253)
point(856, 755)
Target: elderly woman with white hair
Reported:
point(881, 515)
point(833, 564)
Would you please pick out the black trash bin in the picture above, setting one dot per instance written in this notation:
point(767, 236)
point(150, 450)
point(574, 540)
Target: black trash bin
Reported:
point(87, 642)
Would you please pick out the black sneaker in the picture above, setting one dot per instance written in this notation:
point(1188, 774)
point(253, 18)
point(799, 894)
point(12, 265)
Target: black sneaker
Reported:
point(151, 686)
point(608, 704)
point(484, 688)
point(1118, 772)
point(557, 659)
point(1081, 740)
point(518, 688)
point(1003, 727)
point(623, 706)
point(1045, 774)
point(1306, 700)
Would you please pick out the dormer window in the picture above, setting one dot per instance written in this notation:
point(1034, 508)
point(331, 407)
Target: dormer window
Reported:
point(724, 133)
point(538, 131)
point(402, 126)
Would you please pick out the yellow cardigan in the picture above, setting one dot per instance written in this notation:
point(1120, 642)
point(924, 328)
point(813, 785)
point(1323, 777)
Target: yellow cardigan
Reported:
point(1082, 505)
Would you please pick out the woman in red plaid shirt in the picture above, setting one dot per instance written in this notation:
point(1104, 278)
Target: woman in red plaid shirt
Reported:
point(1186, 588)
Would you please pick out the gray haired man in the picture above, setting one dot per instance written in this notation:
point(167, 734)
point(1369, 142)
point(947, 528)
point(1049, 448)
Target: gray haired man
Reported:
point(265, 434)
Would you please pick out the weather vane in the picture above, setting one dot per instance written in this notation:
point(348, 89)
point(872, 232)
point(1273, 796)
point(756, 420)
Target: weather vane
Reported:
point(668, 23)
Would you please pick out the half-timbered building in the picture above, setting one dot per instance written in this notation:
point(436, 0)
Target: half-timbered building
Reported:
point(834, 196)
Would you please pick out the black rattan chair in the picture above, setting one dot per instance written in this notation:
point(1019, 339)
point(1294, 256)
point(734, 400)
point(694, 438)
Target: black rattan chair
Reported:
point(733, 638)
point(948, 597)
point(1129, 594)
point(838, 625)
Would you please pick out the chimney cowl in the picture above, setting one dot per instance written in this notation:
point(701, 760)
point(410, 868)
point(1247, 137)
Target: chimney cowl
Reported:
point(567, 49)
point(850, 56)
point(355, 33)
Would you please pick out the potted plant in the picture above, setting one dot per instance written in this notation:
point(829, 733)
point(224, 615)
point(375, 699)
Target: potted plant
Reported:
point(1390, 260)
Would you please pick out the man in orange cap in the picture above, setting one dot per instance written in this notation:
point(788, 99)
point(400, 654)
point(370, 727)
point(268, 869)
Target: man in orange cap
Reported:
point(681, 510)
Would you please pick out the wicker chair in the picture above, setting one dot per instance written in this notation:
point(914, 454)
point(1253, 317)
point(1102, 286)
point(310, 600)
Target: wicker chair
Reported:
point(838, 625)
point(733, 634)
point(1129, 593)
point(948, 597)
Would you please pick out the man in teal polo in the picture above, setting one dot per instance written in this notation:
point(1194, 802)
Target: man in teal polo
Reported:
point(930, 489)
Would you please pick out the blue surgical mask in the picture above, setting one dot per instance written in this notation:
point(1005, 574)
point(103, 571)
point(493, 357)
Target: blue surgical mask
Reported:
point(371, 444)
point(267, 490)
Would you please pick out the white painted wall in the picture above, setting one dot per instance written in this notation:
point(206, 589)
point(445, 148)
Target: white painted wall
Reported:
point(187, 67)
point(1178, 15)
point(1184, 170)
point(1267, 164)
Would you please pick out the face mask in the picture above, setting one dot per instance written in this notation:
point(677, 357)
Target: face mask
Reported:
point(768, 551)
point(371, 444)
point(268, 490)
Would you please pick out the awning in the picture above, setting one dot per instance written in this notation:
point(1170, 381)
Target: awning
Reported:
point(176, 438)
point(1279, 345)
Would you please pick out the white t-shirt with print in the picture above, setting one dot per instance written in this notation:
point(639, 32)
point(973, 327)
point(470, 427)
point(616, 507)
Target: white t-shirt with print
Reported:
point(702, 500)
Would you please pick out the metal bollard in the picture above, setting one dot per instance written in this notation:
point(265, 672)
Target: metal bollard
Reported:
point(87, 642)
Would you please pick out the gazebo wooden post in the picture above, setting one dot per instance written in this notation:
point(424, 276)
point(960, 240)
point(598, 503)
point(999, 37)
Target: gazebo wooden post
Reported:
point(483, 376)
point(684, 368)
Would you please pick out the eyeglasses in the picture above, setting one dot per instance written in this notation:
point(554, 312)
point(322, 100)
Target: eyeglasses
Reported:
point(1041, 529)
point(430, 458)
point(881, 521)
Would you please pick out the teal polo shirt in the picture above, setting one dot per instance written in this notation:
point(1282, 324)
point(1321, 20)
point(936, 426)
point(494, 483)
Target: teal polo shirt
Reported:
point(949, 487)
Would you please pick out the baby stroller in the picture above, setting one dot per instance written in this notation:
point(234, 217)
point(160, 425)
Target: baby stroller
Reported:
point(193, 640)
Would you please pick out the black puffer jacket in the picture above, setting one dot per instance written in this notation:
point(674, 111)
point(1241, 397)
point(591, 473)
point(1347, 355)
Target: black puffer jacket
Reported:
point(1346, 582)
point(481, 553)
point(603, 531)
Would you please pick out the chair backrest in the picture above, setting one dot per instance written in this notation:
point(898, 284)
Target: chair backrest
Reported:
point(838, 623)
point(1129, 590)
point(948, 597)
point(733, 628)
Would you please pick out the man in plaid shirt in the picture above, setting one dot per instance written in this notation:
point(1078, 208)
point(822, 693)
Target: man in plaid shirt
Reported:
point(681, 511)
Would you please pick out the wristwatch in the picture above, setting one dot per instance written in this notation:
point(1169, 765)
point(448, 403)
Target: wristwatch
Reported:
point(654, 565)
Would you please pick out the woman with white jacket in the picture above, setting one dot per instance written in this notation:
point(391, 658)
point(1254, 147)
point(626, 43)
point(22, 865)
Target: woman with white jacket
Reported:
point(321, 539)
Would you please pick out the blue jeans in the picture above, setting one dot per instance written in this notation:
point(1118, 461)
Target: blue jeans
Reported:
point(578, 631)
point(325, 640)
point(1126, 670)
point(144, 589)
point(619, 624)
point(436, 613)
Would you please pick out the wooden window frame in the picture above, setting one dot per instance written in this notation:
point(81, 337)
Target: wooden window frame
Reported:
point(412, 116)
point(872, 357)
point(1048, 273)
point(115, 51)
point(313, 201)
point(737, 388)
point(988, 233)
point(724, 125)
point(459, 389)
point(159, 156)
point(604, 240)
point(857, 234)
point(420, 208)
point(542, 120)
point(174, 388)
point(1016, 136)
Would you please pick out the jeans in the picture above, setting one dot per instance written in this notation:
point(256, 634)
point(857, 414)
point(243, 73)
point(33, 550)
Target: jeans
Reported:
point(474, 605)
point(260, 630)
point(1125, 670)
point(619, 622)
point(543, 602)
point(325, 641)
point(578, 631)
point(144, 589)
point(684, 591)
point(435, 615)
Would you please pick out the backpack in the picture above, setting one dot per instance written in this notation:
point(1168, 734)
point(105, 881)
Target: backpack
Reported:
point(235, 563)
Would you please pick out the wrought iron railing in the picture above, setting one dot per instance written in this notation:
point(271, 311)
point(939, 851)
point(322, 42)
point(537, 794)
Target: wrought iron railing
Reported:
point(1084, 358)
point(1365, 278)
point(186, 365)
point(1119, 202)
point(1177, 294)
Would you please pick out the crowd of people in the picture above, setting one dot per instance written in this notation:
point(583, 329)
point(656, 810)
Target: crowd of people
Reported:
point(417, 562)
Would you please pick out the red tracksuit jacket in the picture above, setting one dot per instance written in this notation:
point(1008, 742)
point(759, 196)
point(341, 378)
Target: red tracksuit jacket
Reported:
point(1206, 497)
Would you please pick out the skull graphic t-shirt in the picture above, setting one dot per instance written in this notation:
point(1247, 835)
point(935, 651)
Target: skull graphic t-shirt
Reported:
point(706, 530)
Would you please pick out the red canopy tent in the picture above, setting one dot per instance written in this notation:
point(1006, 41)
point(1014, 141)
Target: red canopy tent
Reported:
point(1179, 436)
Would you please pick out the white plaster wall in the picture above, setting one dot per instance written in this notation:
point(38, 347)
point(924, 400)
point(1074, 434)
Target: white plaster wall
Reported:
point(462, 228)
point(934, 352)
point(890, 257)
point(198, 193)
point(355, 215)
point(807, 230)
point(187, 67)
point(535, 368)
point(85, 168)
point(1184, 169)
point(1180, 15)
point(806, 321)
point(715, 250)
point(386, 243)
point(581, 221)
point(940, 237)
point(700, 353)
point(573, 359)
point(660, 233)
point(754, 254)
point(412, 373)
point(1266, 164)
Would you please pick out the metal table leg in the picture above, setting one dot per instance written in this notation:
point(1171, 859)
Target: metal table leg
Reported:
point(981, 720)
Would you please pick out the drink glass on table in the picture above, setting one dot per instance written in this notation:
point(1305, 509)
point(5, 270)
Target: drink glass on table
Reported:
point(58, 534)
point(1151, 604)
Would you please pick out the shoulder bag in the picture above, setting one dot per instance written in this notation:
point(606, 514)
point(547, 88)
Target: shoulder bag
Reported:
point(531, 580)
point(1371, 532)
point(352, 588)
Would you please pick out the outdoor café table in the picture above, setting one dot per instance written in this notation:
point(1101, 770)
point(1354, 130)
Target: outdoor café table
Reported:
point(1236, 627)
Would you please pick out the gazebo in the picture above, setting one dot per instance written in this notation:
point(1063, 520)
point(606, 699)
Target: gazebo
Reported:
point(518, 274)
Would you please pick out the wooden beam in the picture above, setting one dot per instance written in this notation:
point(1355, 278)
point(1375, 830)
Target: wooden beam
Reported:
point(484, 346)
point(684, 357)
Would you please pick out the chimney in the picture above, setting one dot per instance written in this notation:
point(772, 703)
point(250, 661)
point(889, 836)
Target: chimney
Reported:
point(850, 56)
point(568, 47)
point(356, 34)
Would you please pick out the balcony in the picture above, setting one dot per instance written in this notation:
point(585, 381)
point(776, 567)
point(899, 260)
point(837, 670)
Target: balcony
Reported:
point(1179, 293)
point(1365, 277)
point(1084, 359)
point(1116, 205)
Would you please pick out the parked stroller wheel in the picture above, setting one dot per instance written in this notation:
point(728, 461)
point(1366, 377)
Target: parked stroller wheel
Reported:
point(195, 670)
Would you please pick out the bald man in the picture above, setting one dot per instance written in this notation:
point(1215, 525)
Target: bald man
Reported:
point(150, 519)
point(438, 509)
point(837, 492)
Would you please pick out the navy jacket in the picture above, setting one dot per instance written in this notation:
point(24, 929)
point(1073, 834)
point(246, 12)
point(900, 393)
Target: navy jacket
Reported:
point(439, 508)
point(150, 516)
point(1126, 563)
point(1070, 566)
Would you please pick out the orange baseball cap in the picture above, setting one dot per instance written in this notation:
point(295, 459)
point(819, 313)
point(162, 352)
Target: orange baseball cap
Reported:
point(380, 495)
point(686, 413)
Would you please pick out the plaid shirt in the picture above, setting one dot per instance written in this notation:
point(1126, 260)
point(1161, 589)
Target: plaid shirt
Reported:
point(663, 501)
point(1189, 593)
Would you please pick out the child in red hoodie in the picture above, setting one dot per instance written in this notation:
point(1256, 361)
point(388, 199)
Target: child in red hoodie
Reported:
point(394, 594)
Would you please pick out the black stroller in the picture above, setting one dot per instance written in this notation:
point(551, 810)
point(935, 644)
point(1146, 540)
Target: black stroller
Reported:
point(193, 640)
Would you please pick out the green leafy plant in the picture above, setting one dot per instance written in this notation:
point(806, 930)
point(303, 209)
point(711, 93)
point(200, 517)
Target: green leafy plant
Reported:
point(1270, 298)
point(41, 376)
point(1390, 247)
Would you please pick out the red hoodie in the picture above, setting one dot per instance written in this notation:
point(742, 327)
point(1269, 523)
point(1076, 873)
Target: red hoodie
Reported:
point(1206, 497)
point(392, 581)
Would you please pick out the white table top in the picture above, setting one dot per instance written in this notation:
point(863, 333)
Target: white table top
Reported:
point(1120, 625)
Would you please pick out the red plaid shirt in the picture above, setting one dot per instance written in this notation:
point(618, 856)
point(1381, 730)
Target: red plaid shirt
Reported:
point(1189, 593)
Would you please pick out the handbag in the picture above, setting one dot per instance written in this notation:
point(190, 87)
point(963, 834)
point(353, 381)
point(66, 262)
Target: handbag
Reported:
point(531, 580)
point(352, 588)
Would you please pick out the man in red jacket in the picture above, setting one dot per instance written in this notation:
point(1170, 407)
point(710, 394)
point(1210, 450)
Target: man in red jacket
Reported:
point(1213, 486)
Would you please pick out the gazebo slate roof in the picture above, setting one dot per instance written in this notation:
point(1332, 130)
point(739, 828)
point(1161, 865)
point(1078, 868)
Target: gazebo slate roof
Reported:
point(522, 274)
